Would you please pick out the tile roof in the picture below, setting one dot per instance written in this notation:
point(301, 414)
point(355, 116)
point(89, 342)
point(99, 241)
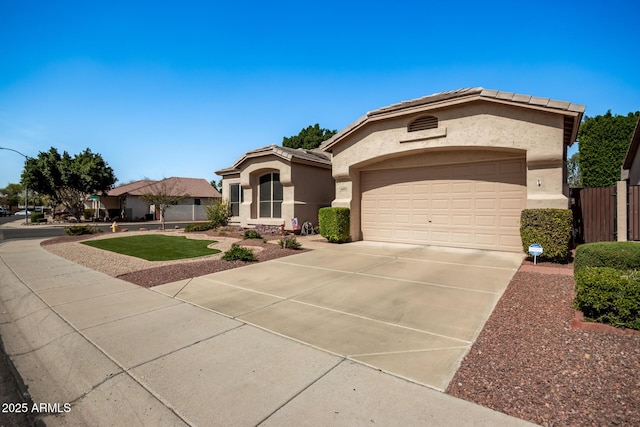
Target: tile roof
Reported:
point(177, 186)
point(286, 153)
point(459, 95)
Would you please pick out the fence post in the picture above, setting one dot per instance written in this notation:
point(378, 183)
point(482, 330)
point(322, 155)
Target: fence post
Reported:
point(621, 209)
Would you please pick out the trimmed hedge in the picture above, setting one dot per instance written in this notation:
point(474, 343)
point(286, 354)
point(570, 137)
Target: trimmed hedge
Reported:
point(550, 228)
point(619, 255)
point(608, 295)
point(334, 224)
point(205, 226)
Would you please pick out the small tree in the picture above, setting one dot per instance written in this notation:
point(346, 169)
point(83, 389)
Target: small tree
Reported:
point(574, 177)
point(219, 212)
point(163, 195)
point(12, 194)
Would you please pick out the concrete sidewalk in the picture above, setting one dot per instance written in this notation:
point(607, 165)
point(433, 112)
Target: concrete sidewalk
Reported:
point(124, 355)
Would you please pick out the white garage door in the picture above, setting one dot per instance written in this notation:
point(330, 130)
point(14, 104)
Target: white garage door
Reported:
point(474, 205)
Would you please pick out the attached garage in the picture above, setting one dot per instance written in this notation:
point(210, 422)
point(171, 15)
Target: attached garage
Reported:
point(472, 205)
point(454, 168)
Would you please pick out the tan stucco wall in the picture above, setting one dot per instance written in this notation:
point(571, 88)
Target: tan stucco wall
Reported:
point(314, 189)
point(305, 189)
point(536, 135)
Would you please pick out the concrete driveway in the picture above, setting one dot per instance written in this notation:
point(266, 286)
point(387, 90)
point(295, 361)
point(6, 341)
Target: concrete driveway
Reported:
point(409, 310)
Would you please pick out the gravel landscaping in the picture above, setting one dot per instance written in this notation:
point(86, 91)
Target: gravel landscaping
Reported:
point(527, 361)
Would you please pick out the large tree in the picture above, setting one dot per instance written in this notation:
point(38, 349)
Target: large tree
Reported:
point(68, 180)
point(309, 138)
point(603, 142)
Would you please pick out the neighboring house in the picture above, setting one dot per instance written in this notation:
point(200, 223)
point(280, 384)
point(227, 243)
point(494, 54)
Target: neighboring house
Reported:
point(450, 169)
point(631, 165)
point(273, 185)
point(128, 199)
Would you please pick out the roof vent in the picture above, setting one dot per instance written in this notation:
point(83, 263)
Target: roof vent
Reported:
point(423, 123)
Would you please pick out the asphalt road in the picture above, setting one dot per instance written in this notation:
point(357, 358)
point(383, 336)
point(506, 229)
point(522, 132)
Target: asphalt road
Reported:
point(43, 231)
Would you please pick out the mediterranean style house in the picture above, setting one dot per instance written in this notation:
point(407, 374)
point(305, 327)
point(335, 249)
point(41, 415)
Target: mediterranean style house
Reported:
point(450, 169)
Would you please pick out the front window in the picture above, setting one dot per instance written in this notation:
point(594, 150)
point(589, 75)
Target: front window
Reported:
point(270, 196)
point(236, 199)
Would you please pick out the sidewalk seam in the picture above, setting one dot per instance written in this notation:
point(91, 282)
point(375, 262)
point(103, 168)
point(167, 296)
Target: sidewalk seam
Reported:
point(301, 391)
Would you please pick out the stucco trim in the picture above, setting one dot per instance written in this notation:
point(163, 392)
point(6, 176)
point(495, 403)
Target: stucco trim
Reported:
point(424, 135)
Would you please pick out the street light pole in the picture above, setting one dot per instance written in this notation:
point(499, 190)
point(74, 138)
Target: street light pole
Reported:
point(26, 188)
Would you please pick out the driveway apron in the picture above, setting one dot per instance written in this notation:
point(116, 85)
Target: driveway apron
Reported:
point(412, 311)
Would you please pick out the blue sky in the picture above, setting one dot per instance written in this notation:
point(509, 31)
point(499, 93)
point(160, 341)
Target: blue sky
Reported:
point(164, 89)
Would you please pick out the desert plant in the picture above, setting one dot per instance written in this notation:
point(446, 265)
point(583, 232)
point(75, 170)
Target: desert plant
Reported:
point(88, 214)
point(289, 242)
point(251, 234)
point(550, 228)
point(239, 253)
point(219, 212)
point(334, 224)
point(78, 230)
point(37, 217)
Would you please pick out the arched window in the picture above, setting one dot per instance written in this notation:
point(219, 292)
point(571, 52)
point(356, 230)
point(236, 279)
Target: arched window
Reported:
point(423, 123)
point(270, 196)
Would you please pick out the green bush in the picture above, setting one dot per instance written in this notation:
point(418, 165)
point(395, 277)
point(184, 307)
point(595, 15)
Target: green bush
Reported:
point(78, 230)
point(219, 212)
point(619, 255)
point(609, 295)
point(88, 214)
point(251, 234)
point(199, 227)
point(37, 217)
point(550, 228)
point(289, 243)
point(239, 253)
point(334, 224)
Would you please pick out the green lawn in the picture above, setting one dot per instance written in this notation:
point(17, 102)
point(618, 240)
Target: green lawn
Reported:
point(156, 247)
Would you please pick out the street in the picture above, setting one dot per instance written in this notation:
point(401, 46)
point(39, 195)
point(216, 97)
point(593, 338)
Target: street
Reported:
point(43, 231)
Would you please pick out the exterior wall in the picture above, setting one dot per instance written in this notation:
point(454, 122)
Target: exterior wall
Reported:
point(252, 170)
point(227, 181)
point(306, 189)
point(314, 188)
point(135, 207)
point(537, 135)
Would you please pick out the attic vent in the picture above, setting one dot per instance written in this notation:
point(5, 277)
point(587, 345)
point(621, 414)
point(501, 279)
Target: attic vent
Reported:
point(422, 123)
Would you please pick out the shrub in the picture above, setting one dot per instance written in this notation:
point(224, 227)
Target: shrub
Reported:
point(219, 212)
point(550, 228)
point(251, 234)
point(289, 243)
point(619, 255)
point(37, 217)
point(88, 214)
point(334, 224)
point(78, 230)
point(609, 295)
point(239, 253)
point(199, 227)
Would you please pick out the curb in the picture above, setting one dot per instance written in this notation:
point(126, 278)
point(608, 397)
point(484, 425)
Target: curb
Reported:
point(578, 322)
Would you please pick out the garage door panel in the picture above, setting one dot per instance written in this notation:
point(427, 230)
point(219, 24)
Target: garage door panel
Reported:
point(473, 205)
